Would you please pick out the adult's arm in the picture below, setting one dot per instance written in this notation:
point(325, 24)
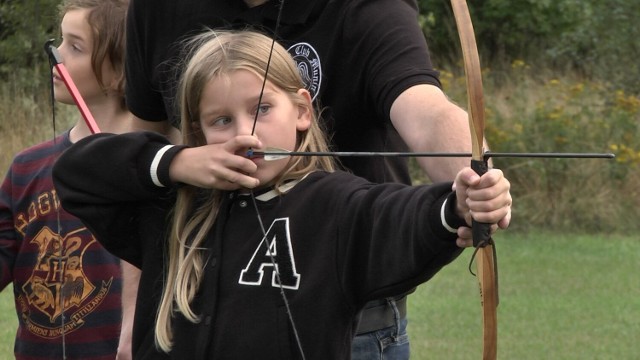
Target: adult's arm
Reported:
point(404, 85)
point(429, 122)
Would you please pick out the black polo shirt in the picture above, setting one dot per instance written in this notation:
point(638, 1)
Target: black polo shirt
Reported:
point(356, 56)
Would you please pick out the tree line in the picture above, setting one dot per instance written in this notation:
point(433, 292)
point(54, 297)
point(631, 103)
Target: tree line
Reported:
point(596, 39)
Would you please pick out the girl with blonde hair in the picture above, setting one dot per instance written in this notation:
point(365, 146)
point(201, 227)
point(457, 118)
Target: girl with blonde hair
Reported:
point(275, 261)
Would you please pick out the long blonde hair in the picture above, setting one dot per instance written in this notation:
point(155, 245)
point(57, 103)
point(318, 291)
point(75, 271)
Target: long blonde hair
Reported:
point(212, 54)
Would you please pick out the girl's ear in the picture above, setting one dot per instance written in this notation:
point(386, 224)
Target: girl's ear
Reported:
point(305, 111)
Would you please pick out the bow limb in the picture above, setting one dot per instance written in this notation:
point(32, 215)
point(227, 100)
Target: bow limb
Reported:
point(56, 60)
point(485, 253)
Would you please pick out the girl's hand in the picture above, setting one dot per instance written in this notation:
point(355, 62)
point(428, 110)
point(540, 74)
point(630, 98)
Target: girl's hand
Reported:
point(220, 166)
point(486, 199)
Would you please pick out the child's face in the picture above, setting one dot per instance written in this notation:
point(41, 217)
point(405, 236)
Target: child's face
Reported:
point(75, 49)
point(228, 107)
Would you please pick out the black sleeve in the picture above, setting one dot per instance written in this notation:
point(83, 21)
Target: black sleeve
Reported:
point(388, 38)
point(105, 181)
point(394, 239)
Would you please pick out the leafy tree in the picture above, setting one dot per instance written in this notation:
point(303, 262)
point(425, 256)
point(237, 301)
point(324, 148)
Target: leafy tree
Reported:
point(598, 39)
point(25, 25)
point(505, 29)
point(605, 44)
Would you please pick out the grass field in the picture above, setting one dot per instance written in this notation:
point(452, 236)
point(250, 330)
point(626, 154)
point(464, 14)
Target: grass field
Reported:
point(8, 323)
point(561, 297)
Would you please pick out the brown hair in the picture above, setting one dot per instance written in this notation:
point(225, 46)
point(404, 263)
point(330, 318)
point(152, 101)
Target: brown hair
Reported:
point(107, 19)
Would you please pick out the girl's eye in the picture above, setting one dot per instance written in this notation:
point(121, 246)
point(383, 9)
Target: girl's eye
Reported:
point(221, 121)
point(263, 109)
point(74, 47)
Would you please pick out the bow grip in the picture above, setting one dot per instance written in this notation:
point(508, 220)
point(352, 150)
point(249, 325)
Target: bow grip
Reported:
point(481, 232)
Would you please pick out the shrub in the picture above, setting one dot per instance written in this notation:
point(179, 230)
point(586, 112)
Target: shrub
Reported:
point(546, 113)
point(598, 39)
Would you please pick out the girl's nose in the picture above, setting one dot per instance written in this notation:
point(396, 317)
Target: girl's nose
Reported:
point(61, 52)
point(245, 125)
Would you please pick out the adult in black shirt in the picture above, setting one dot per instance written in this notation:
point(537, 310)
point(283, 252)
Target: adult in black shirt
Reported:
point(367, 65)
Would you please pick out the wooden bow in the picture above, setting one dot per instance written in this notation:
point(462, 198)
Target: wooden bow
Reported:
point(484, 253)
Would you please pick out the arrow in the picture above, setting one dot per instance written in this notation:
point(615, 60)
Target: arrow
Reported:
point(273, 153)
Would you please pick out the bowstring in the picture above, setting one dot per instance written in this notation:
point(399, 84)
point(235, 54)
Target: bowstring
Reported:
point(253, 197)
point(58, 221)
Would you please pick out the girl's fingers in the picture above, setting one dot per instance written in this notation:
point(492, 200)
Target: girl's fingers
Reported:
point(233, 180)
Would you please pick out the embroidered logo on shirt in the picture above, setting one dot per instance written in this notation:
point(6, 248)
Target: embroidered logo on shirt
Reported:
point(58, 284)
point(278, 251)
point(309, 66)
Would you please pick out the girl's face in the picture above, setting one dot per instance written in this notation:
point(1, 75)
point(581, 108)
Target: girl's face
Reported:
point(75, 49)
point(228, 108)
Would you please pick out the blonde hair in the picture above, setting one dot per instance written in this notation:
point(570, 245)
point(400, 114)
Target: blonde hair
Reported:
point(213, 54)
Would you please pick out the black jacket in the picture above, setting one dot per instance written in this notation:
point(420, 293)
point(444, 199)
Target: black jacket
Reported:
point(339, 242)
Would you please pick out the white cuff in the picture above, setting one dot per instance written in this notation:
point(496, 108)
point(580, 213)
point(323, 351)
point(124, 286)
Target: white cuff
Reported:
point(153, 171)
point(444, 220)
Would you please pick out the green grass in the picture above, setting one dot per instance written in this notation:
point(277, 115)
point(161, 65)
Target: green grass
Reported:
point(561, 297)
point(8, 322)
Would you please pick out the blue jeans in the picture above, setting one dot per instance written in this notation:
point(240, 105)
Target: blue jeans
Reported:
point(391, 343)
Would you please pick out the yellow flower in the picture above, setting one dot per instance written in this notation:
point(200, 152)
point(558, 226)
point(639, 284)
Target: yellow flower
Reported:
point(628, 103)
point(518, 64)
point(577, 88)
point(517, 128)
point(561, 140)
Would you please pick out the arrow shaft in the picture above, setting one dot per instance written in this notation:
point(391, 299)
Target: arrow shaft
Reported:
point(279, 154)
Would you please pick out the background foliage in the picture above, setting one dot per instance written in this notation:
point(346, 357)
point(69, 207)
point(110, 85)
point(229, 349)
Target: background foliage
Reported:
point(25, 25)
point(560, 75)
point(598, 39)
